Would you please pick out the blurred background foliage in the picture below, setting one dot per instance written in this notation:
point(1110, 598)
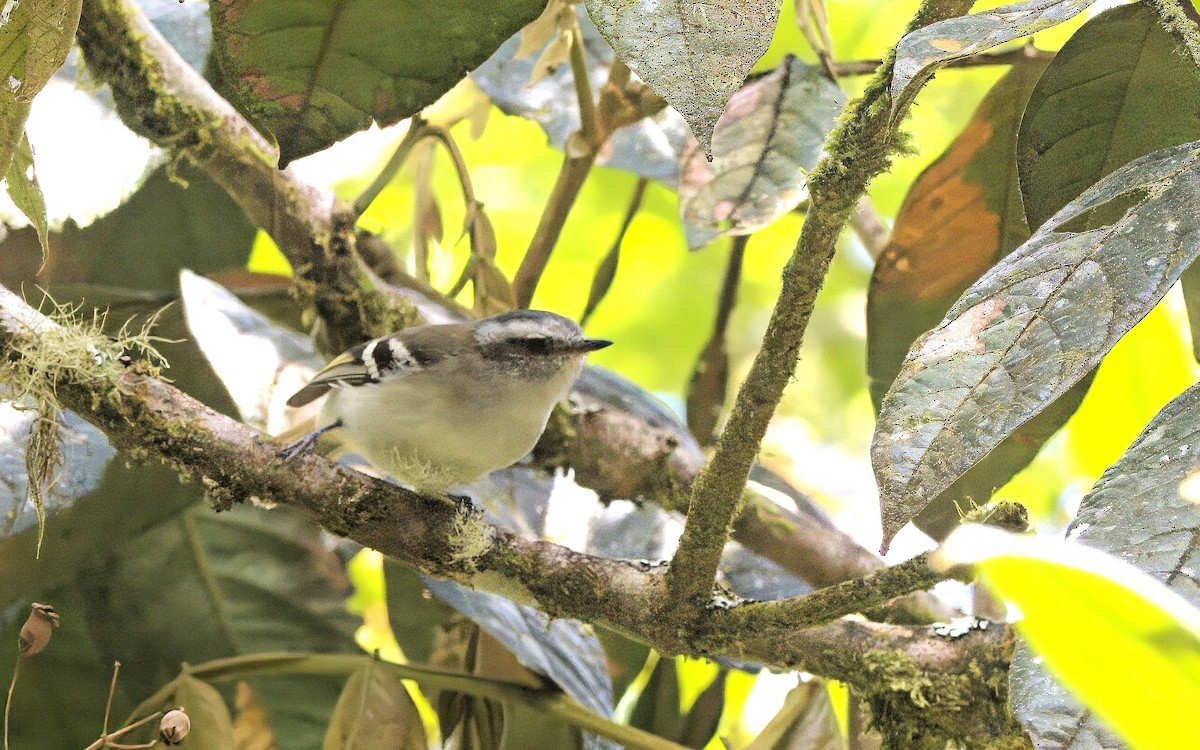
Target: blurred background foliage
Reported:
point(659, 310)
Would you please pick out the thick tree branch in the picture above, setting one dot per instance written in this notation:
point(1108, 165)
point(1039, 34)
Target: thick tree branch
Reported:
point(619, 452)
point(857, 150)
point(900, 668)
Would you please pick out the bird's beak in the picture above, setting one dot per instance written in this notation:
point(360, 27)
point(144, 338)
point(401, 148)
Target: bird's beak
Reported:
point(591, 345)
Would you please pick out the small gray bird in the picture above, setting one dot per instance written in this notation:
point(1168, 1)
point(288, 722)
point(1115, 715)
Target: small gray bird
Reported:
point(441, 405)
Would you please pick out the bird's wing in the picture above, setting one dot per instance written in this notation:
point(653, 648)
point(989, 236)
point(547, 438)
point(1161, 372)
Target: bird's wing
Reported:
point(348, 368)
point(391, 356)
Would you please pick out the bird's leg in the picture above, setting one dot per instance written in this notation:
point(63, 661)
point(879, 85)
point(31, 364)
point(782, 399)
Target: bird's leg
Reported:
point(306, 443)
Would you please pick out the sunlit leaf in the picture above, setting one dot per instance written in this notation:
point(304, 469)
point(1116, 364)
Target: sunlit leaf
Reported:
point(35, 37)
point(961, 216)
point(922, 52)
point(693, 54)
point(375, 712)
point(26, 194)
point(1049, 712)
point(1124, 643)
point(1146, 511)
point(313, 74)
point(1033, 326)
point(763, 146)
point(648, 148)
point(1117, 90)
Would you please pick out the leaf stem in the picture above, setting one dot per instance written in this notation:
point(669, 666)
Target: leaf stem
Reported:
point(417, 129)
point(1012, 56)
point(857, 150)
point(548, 699)
point(8, 702)
point(104, 741)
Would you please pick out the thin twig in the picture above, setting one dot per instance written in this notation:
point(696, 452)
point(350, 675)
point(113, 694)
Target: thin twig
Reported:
point(707, 390)
point(1013, 56)
point(857, 150)
point(112, 688)
point(417, 129)
point(869, 227)
point(8, 703)
point(104, 741)
point(579, 154)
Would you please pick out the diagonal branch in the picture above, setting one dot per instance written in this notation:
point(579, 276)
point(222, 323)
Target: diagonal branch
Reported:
point(857, 150)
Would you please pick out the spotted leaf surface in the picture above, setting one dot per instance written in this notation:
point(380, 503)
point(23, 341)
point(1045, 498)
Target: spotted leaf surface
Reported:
point(763, 146)
point(1034, 325)
point(922, 52)
point(693, 54)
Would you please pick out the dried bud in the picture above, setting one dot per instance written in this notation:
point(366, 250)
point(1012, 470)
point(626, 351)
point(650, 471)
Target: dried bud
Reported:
point(174, 726)
point(35, 633)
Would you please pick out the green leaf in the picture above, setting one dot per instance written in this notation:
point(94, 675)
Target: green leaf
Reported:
point(693, 54)
point(415, 615)
point(212, 727)
point(315, 73)
point(657, 709)
point(769, 137)
point(375, 712)
point(920, 53)
point(25, 192)
point(1033, 326)
point(35, 37)
point(1143, 510)
point(247, 581)
point(1118, 638)
point(961, 216)
point(1118, 89)
point(704, 717)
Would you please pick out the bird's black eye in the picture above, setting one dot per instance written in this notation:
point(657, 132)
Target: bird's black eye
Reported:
point(537, 345)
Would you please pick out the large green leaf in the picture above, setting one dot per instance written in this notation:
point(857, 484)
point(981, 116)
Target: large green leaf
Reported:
point(313, 73)
point(961, 216)
point(1033, 326)
point(246, 581)
point(1122, 641)
point(693, 54)
point(769, 137)
point(35, 37)
point(1145, 511)
point(1117, 90)
point(921, 53)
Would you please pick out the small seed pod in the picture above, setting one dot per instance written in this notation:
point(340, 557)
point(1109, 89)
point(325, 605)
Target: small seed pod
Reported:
point(174, 726)
point(35, 633)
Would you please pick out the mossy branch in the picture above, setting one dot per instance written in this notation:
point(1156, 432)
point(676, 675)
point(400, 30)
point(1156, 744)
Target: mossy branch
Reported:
point(858, 149)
